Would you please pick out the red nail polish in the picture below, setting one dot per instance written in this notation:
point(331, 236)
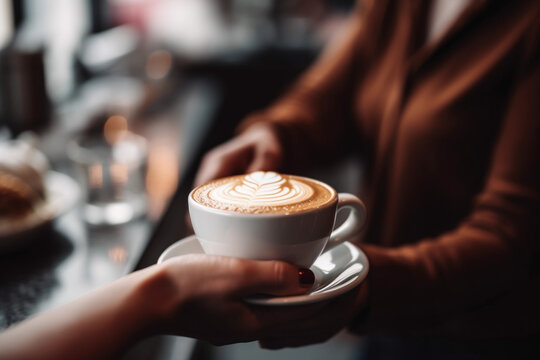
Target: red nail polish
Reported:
point(306, 277)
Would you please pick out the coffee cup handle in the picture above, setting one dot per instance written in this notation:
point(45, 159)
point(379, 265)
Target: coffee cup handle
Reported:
point(354, 223)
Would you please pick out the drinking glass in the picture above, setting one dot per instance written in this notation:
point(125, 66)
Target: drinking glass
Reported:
point(112, 170)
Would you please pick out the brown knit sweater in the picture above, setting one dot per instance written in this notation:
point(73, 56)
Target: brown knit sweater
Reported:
point(451, 135)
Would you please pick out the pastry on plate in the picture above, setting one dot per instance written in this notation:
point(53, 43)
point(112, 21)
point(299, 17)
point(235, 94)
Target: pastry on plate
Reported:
point(22, 173)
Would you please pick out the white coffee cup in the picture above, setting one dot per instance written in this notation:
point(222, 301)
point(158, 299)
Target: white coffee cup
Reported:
point(298, 238)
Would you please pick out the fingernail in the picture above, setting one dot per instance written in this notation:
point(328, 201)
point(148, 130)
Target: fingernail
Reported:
point(306, 277)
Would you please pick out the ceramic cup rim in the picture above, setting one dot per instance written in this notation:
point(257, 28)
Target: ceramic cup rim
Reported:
point(229, 213)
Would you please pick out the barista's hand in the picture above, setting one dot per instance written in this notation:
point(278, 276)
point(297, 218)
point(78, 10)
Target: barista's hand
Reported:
point(334, 316)
point(258, 148)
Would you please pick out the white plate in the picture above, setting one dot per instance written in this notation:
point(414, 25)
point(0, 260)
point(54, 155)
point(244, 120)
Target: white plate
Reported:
point(61, 193)
point(336, 272)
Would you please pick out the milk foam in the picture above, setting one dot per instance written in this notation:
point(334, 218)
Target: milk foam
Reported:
point(264, 192)
point(262, 188)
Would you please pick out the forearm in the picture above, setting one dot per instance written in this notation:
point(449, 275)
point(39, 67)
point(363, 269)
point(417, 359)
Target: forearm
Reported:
point(99, 325)
point(437, 284)
point(314, 115)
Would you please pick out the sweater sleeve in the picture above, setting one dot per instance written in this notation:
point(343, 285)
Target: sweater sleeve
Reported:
point(494, 252)
point(312, 116)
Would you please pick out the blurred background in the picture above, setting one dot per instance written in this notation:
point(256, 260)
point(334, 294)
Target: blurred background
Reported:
point(135, 56)
point(176, 76)
point(66, 66)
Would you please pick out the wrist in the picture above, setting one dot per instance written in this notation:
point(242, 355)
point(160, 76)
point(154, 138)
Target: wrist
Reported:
point(254, 120)
point(157, 299)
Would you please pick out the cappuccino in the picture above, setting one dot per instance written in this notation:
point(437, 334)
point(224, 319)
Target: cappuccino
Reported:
point(264, 193)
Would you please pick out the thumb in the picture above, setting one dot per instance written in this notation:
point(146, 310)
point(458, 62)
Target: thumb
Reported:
point(275, 278)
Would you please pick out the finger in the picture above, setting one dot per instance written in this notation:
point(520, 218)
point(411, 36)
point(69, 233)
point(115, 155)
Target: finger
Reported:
point(334, 314)
point(267, 319)
point(211, 168)
point(272, 278)
point(223, 161)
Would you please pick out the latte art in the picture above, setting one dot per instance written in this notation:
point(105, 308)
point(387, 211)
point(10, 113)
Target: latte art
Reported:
point(262, 188)
point(264, 192)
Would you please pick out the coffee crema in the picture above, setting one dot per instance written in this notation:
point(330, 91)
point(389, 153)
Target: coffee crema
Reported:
point(264, 193)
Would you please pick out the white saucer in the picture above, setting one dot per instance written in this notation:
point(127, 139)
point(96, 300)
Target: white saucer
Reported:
point(336, 272)
point(61, 193)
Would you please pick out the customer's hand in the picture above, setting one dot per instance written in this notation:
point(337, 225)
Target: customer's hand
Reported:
point(202, 296)
point(257, 148)
point(213, 309)
point(194, 295)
